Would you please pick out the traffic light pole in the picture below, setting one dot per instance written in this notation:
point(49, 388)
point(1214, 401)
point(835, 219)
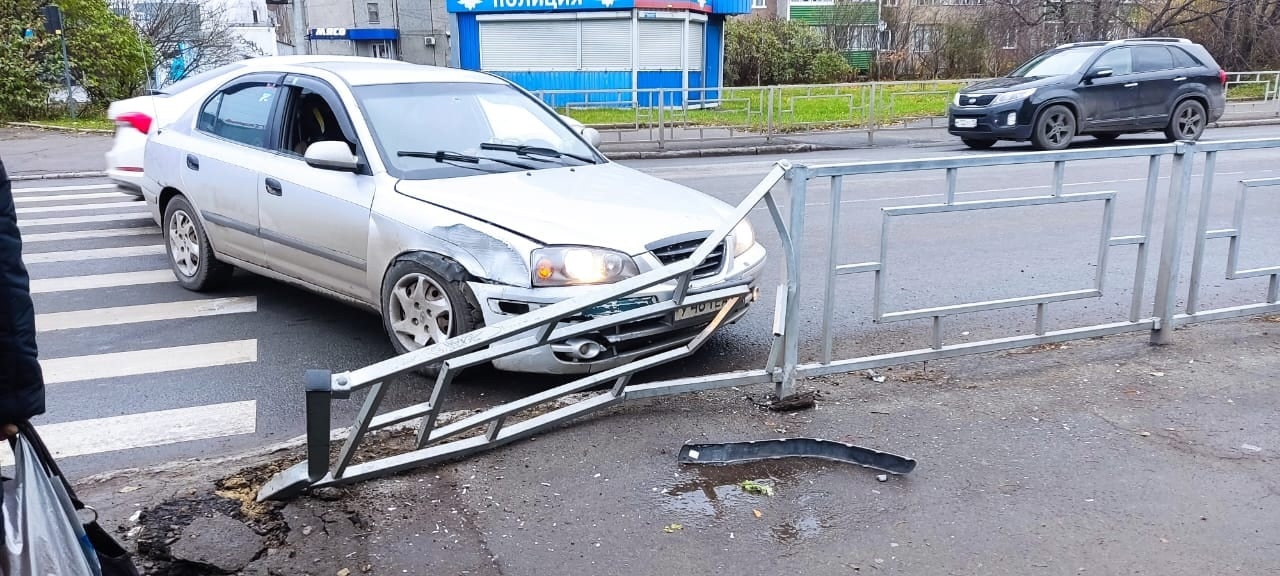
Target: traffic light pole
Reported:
point(66, 74)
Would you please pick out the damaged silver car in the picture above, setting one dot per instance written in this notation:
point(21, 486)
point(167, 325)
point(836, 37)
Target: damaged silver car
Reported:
point(443, 199)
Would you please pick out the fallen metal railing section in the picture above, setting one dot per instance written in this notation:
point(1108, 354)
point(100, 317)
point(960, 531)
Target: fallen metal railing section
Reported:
point(434, 442)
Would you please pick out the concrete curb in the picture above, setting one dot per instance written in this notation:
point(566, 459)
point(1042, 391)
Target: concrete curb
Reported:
point(723, 151)
point(39, 126)
point(1245, 123)
point(58, 175)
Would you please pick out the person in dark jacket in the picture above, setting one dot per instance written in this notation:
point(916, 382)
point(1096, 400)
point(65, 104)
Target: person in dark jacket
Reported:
point(21, 380)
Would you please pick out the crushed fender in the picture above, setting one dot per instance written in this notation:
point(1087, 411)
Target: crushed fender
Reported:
point(735, 452)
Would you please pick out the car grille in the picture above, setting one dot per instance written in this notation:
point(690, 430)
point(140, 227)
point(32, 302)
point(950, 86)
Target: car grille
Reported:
point(672, 253)
point(968, 100)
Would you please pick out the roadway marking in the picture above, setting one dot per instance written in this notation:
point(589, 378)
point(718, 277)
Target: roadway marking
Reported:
point(144, 313)
point(151, 361)
point(89, 196)
point(93, 254)
point(69, 283)
point(74, 207)
point(38, 190)
point(146, 429)
point(85, 219)
point(89, 234)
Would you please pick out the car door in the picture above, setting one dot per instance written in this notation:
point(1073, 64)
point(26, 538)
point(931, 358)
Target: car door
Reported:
point(220, 166)
point(1108, 100)
point(315, 221)
point(1153, 67)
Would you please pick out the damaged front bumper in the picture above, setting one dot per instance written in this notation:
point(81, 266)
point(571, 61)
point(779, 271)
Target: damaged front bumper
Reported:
point(617, 345)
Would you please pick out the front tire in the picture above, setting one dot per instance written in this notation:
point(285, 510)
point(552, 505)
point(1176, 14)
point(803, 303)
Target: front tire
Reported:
point(978, 144)
point(1187, 122)
point(425, 302)
point(190, 253)
point(1054, 129)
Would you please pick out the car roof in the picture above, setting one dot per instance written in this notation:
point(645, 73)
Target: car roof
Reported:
point(358, 71)
point(1153, 40)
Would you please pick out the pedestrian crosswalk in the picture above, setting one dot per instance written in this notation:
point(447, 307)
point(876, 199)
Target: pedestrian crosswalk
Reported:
point(111, 323)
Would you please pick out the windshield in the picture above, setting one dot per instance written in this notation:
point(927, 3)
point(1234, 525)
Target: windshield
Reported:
point(1059, 63)
point(464, 119)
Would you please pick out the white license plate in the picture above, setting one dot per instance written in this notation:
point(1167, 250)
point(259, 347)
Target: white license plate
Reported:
point(966, 122)
point(695, 310)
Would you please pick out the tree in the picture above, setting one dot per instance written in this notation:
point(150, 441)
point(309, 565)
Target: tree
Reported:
point(108, 58)
point(767, 50)
point(196, 35)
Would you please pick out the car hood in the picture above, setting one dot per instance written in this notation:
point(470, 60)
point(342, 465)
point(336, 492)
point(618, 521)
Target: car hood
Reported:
point(997, 85)
point(604, 205)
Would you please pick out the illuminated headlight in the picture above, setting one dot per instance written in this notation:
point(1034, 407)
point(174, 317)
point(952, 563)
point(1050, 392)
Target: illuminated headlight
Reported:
point(744, 237)
point(573, 266)
point(1014, 96)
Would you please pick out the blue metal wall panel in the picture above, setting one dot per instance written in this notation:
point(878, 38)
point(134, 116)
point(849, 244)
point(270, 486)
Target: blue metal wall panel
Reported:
point(731, 7)
point(660, 79)
point(695, 82)
point(468, 42)
point(715, 47)
point(618, 85)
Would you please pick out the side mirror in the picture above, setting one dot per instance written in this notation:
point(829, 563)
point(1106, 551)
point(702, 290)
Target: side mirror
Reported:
point(591, 134)
point(1097, 73)
point(332, 155)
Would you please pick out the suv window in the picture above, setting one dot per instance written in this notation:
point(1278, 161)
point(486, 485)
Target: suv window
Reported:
point(239, 113)
point(1183, 60)
point(1119, 60)
point(1152, 58)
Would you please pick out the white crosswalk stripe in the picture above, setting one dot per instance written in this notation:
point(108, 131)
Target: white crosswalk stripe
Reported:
point(90, 234)
point(102, 340)
point(61, 220)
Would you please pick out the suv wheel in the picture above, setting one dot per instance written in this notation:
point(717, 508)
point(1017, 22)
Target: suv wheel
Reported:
point(1054, 129)
point(978, 144)
point(1187, 122)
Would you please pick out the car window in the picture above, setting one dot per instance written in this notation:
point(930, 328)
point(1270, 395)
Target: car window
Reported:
point(1183, 60)
point(240, 113)
point(1152, 58)
point(1119, 60)
point(1055, 63)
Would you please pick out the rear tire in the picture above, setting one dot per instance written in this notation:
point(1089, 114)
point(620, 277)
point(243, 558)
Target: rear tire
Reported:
point(978, 144)
point(1054, 128)
point(1187, 122)
point(425, 301)
point(190, 253)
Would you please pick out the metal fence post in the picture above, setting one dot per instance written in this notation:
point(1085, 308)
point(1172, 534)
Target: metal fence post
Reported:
point(662, 131)
point(319, 391)
point(798, 180)
point(871, 116)
point(768, 129)
point(1171, 248)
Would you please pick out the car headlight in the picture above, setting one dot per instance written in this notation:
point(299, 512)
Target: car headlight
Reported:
point(575, 265)
point(1014, 96)
point(744, 237)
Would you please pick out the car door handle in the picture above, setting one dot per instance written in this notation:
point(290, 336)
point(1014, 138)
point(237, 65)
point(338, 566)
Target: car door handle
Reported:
point(273, 187)
point(1131, 85)
point(193, 162)
point(1180, 78)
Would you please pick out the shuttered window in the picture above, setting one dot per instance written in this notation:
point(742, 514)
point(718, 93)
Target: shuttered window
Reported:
point(697, 41)
point(606, 44)
point(529, 45)
point(660, 42)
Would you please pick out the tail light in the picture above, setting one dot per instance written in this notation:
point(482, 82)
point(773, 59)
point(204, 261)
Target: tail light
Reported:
point(1222, 76)
point(139, 121)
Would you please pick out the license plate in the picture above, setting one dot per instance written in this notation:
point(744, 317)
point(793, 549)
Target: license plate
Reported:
point(695, 310)
point(966, 122)
point(616, 306)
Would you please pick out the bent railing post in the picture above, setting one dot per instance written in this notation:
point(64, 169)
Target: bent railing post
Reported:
point(1184, 160)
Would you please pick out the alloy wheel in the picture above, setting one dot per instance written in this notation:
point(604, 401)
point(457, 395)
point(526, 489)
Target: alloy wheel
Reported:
point(1190, 122)
point(1057, 128)
point(184, 244)
point(420, 312)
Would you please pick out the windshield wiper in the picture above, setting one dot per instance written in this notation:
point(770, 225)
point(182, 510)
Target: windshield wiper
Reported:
point(448, 156)
point(536, 151)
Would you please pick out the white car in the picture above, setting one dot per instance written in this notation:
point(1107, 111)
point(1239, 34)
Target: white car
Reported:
point(136, 117)
point(442, 199)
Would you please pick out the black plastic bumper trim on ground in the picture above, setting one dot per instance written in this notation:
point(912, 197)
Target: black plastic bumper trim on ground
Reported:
point(735, 452)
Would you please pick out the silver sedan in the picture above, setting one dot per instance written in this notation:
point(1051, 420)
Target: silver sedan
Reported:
point(443, 199)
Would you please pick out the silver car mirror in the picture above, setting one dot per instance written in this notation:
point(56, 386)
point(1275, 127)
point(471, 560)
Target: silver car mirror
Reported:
point(332, 155)
point(592, 135)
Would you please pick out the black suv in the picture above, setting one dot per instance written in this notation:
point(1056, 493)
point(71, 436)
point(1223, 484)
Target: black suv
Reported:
point(1103, 89)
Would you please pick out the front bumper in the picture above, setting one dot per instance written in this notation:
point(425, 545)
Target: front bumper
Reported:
point(990, 122)
point(623, 343)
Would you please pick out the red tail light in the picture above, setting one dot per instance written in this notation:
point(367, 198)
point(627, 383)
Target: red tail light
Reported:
point(140, 122)
point(1222, 75)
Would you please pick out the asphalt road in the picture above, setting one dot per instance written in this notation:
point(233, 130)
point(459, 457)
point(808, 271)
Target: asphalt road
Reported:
point(178, 376)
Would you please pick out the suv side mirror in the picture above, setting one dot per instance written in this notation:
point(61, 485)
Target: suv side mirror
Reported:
point(332, 155)
point(1099, 73)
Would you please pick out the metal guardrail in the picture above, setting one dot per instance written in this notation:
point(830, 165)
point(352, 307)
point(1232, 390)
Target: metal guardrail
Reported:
point(785, 364)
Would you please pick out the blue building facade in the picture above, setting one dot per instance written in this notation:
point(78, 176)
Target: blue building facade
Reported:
point(598, 52)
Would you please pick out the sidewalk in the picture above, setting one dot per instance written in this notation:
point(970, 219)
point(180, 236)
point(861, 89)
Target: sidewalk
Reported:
point(27, 151)
point(1096, 457)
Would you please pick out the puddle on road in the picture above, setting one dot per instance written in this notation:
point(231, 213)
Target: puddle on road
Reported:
point(798, 510)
